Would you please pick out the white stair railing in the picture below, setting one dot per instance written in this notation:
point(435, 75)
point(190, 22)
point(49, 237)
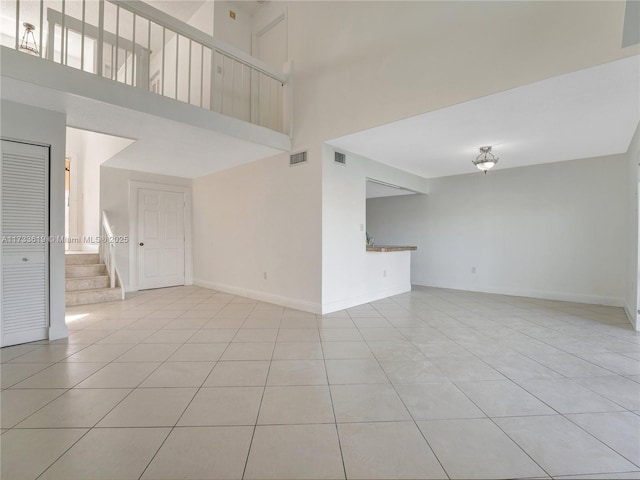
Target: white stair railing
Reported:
point(134, 43)
point(108, 253)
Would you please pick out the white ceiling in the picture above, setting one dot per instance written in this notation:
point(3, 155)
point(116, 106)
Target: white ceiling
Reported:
point(588, 113)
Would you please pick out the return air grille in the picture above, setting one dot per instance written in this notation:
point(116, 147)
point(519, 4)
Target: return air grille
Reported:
point(340, 158)
point(298, 158)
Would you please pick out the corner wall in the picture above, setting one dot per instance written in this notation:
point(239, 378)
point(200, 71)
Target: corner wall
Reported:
point(633, 270)
point(347, 276)
point(36, 125)
point(554, 231)
point(263, 217)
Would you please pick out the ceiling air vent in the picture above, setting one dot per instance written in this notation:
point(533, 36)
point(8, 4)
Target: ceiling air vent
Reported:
point(298, 158)
point(340, 158)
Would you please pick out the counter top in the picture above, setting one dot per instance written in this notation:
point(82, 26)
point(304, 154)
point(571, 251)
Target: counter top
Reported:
point(389, 248)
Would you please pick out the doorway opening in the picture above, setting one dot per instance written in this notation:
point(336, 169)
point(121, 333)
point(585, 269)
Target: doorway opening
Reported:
point(91, 266)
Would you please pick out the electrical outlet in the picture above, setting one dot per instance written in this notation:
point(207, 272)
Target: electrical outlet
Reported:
point(362, 227)
point(384, 274)
point(264, 274)
point(473, 269)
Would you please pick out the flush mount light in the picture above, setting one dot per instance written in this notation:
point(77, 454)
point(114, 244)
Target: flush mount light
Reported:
point(28, 42)
point(485, 161)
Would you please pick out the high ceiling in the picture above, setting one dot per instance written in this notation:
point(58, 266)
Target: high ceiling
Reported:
point(589, 113)
point(411, 57)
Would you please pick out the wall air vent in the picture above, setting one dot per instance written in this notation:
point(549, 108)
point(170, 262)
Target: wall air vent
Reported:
point(298, 158)
point(340, 158)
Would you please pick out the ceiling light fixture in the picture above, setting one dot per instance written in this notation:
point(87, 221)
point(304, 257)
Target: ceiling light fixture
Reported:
point(28, 42)
point(485, 161)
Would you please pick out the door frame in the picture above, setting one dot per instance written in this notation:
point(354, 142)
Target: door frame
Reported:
point(134, 187)
point(266, 26)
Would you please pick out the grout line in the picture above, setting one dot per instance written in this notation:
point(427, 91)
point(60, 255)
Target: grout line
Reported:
point(333, 409)
point(264, 388)
point(401, 400)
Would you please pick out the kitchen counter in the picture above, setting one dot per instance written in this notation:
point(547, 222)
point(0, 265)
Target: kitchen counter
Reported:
point(390, 248)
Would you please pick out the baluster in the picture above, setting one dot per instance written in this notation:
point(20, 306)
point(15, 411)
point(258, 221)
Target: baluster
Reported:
point(163, 48)
point(84, 6)
point(133, 53)
point(189, 80)
point(177, 65)
point(115, 67)
point(41, 28)
point(100, 38)
point(62, 33)
point(201, 76)
point(17, 24)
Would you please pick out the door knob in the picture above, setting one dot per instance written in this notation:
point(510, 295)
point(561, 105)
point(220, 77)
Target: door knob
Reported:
point(141, 244)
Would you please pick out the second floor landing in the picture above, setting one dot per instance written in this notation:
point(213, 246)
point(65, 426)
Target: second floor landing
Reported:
point(171, 137)
point(192, 104)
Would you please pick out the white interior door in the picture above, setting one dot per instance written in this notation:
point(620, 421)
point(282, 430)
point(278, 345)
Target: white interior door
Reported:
point(24, 171)
point(160, 238)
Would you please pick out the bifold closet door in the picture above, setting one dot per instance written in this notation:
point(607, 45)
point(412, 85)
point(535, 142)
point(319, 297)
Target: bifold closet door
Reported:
point(24, 182)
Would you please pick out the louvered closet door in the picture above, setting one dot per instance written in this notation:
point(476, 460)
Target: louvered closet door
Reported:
point(24, 192)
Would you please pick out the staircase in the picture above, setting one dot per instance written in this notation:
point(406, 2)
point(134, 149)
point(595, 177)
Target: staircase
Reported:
point(87, 280)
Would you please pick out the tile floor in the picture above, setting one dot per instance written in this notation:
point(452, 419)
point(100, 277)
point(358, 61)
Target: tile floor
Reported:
point(434, 384)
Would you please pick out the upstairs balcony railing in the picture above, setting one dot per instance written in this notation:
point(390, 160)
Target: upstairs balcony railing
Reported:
point(133, 43)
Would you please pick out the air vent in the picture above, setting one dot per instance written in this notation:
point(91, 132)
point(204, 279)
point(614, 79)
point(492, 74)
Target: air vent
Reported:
point(340, 158)
point(298, 158)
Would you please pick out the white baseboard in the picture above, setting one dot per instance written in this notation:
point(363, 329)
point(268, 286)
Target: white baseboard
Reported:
point(58, 331)
point(543, 295)
point(129, 288)
point(298, 304)
point(369, 297)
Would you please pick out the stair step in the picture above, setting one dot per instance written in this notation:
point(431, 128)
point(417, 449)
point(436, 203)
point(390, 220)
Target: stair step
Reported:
point(89, 270)
point(97, 295)
point(73, 284)
point(81, 258)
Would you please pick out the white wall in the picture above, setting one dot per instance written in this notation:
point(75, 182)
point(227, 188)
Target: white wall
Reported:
point(236, 33)
point(270, 34)
point(203, 19)
point(261, 217)
point(30, 124)
point(74, 147)
point(345, 274)
point(385, 61)
point(555, 231)
point(632, 294)
point(114, 199)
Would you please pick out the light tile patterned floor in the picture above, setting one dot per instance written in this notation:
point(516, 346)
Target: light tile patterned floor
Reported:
point(434, 384)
